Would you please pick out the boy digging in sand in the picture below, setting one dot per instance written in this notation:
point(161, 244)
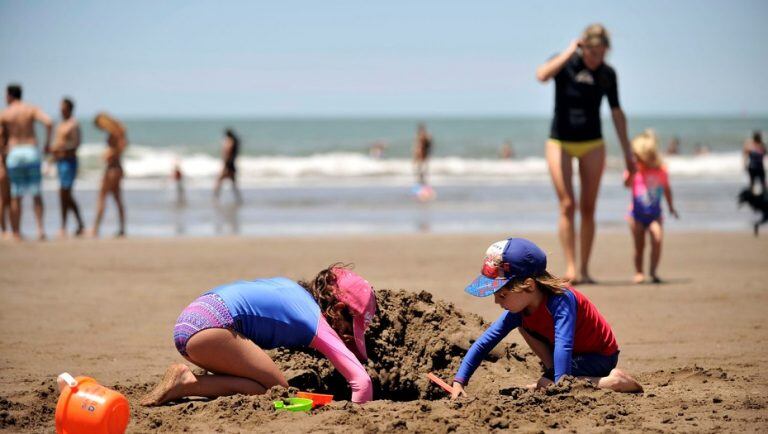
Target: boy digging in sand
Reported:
point(563, 328)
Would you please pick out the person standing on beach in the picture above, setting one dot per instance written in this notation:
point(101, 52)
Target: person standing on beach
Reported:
point(5, 191)
point(64, 150)
point(648, 184)
point(422, 148)
point(582, 78)
point(230, 149)
point(754, 154)
point(117, 140)
point(673, 148)
point(24, 159)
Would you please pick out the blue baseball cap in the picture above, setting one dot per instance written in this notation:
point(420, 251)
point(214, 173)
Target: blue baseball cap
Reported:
point(506, 260)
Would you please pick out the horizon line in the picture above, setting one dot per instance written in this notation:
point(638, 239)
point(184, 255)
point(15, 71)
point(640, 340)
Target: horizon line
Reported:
point(411, 116)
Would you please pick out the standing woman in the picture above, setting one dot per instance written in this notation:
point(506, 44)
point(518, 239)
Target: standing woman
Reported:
point(113, 174)
point(582, 78)
point(754, 153)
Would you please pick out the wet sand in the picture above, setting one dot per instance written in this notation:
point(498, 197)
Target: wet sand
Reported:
point(106, 309)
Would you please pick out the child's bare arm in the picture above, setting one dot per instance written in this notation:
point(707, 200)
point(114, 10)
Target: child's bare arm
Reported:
point(668, 196)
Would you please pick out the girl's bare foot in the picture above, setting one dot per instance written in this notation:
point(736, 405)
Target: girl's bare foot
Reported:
point(63, 234)
point(168, 389)
point(639, 278)
point(655, 278)
point(620, 381)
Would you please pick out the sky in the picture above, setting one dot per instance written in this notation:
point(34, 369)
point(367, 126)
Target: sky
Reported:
point(394, 58)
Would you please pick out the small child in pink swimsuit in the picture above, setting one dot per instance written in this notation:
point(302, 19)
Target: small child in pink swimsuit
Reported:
point(648, 185)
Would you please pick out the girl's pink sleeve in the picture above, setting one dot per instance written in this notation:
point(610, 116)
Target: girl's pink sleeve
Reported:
point(330, 344)
point(665, 177)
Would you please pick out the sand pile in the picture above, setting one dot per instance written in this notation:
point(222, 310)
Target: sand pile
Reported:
point(411, 335)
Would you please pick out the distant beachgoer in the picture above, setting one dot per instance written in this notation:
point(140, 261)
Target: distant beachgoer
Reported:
point(649, 183)
point(5, 192)
point(23, 159)
point(563, 328)
point(506, 152)
point(229, 152)
point(227, 330)
point(117, 140)
point(582, 78)
point(673, 148)
point(754, 154)
point(376, 150)
point(699, 149)
point(178, 180)
point(64, 150)
point(422, 148)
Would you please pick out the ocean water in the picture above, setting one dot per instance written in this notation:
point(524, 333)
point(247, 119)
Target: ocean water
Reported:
point(315, 176)
point(277, 149)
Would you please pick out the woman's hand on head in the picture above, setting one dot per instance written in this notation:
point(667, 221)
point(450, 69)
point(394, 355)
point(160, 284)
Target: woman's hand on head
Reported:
point(574, 45)
point(458, 390)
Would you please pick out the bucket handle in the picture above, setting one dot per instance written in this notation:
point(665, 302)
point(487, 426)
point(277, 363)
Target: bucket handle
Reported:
point(65, 377)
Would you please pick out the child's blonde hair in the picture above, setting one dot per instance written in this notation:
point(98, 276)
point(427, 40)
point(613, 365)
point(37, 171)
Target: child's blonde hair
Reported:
point(546, 282)
point(645, 146)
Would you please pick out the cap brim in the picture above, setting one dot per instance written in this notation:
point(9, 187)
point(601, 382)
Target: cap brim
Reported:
point(483, 286)
point(358, 328)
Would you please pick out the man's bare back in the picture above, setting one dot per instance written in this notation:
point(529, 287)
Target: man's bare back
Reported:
point(18, 120)
point(66, 139)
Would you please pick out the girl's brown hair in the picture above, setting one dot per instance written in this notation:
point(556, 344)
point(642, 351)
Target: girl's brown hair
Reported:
point(546, 282)
point(322, 290)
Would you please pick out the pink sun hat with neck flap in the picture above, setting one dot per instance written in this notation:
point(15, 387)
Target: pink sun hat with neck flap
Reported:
point(358, 295)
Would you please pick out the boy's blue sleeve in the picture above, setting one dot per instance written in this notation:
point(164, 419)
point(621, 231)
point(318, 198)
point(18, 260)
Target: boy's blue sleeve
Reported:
point(563, 309)
point(507, 322)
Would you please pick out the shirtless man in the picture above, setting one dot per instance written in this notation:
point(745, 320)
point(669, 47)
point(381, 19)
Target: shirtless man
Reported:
point(64, 150)
point(23, 160)
point(422, 147)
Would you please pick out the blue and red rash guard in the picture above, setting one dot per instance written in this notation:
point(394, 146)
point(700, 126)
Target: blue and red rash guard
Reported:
point(569, 320)
point(279, 312)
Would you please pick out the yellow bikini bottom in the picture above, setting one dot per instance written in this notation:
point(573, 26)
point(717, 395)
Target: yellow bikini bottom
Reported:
point(578, 149)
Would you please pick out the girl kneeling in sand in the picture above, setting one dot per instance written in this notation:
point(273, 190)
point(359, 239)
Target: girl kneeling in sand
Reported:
point(227, 329)
point(560, 324)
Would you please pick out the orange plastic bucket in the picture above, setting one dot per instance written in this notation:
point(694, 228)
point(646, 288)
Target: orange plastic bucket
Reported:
point(87, 407)
point(318, 399)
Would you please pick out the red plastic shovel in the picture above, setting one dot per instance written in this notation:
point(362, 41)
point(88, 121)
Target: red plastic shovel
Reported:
point(435, 379)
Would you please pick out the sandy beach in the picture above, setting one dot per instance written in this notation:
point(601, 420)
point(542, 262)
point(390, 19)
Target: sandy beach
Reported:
point(106, 309)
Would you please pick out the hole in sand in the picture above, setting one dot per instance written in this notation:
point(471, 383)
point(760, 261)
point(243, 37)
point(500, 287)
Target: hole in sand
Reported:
point(411, 336)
